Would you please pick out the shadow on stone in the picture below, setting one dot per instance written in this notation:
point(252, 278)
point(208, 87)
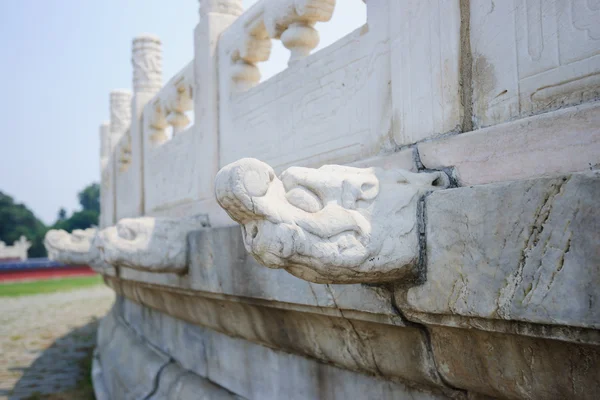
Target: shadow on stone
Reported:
point(62, 371)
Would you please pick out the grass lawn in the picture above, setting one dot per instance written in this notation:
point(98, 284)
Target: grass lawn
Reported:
point(47, 285)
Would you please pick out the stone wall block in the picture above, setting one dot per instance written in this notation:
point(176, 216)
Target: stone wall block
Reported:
point(524, 251)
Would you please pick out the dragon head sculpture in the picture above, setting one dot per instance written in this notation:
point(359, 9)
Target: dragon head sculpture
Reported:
point(154, 244)
point(75, 248)
point(334, 224)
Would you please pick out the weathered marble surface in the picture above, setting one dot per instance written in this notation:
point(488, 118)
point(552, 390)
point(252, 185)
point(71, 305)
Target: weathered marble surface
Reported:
point(532, 56)
point(220, 264)
point(126, 366)
point(177, 383)
point(516, 367)
point(387, 348)
point(426, 100)
point(171, 170)
point(334, 224)
point(489, 364)
point(230, 362)
point(555, 143)
point(526, 250)
point(100, 390)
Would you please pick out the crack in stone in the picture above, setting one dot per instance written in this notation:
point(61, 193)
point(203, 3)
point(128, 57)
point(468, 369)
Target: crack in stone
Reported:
point(561, 260)
point(513, 281)
point(312, 290)
point(422, 270)
point(362, 341)
point(417, 159)
point(120, 320)
point(422, 232)
point(461, 295)
point(156, 380)
point(428, 344)
point(538, 271)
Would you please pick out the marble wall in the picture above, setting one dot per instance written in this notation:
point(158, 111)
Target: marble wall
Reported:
point(481, 282)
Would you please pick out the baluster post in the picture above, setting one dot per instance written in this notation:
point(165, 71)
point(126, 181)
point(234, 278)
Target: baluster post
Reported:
point(120, 120)
point(215, 17)
point(106, 180)
point(146, 60)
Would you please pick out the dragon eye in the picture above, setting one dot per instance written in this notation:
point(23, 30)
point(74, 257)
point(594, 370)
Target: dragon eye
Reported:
point(304, 199)
point(125, 232)
point(257, 182)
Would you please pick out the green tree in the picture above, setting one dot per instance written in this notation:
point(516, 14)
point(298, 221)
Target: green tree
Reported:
point(16, 220)
point(89, 198)
point(78, 220)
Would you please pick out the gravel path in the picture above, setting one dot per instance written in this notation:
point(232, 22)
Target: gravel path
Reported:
point(43, 339)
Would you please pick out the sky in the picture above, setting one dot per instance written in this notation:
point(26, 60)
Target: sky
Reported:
point(61, 60)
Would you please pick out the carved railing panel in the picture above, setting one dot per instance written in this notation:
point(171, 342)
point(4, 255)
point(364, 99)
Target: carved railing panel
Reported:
point(124, 152)
point(120, 123)
point(536, 56)
point(170, 107)
point(328, 107)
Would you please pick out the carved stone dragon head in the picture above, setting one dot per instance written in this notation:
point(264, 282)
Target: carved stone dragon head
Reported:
point(151, 244)
point(334, 224)
point(73, 248)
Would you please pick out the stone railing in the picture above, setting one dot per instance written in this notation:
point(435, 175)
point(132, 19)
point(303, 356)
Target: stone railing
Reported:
point(331, 106)
point(18, 250)
point(408, 212)
point(168, 108)
point(166, 133)
point(291, 21)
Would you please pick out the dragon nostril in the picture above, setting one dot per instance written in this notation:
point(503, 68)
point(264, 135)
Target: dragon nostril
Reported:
point(250, 232)
point(442, 181)
point(366, 186)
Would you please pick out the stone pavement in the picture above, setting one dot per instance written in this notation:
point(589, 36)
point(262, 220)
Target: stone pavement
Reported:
point(44, 338)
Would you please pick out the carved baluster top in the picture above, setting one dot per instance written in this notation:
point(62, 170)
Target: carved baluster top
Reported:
point(120, 110)
point(147, 63)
